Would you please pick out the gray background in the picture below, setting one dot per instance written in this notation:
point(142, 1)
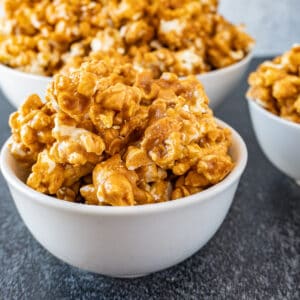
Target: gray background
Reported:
point(275, 24)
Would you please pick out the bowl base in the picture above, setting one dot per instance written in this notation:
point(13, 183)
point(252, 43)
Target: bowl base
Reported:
point(131, 276)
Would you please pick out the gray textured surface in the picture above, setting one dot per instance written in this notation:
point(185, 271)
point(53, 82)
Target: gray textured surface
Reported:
point(255, 254)
point(274, 24)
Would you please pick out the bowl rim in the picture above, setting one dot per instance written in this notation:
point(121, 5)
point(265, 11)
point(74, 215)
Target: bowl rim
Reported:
point(254, 103)
point(221, 71)
point(203, 196)
point(25, 74)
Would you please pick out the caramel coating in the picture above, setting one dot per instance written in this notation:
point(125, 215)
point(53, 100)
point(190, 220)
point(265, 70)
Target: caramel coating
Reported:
point(31, 129)
point(275, 85)
point(181, 36)
point(109, 135)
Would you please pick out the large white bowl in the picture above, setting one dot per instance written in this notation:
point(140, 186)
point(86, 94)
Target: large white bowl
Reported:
point(278, 138)
point(17, 85)
point(124, 241)
point(220, 83)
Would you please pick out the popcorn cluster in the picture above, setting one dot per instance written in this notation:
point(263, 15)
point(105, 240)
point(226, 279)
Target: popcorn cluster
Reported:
point(276, 85)
point(109, 135)
point(180, 36)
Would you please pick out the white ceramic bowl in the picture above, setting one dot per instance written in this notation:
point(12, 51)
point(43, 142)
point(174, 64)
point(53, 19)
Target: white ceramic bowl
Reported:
point(278, 138)
point(125, 241)
point(17, 85)
point(220, 83)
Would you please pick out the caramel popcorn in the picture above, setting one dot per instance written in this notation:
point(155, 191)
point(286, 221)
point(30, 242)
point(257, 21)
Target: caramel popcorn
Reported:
point(181, 36)
point(275, 85)
point(109, 135)
point(31, 129)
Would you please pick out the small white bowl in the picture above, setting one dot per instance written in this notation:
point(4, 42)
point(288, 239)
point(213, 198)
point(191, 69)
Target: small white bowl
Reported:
point(220, 83)
point(17, 85)
point(278, 138)
point(125, 241)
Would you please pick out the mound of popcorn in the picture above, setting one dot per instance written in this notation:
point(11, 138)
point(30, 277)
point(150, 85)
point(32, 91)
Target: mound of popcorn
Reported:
point(275, 85)
point(181, 36)
point(109, 135)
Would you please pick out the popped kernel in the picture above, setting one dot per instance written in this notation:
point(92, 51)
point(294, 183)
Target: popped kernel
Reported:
point(110, 135)
point(31, 128)
point(184, 37)
point(275, 85)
